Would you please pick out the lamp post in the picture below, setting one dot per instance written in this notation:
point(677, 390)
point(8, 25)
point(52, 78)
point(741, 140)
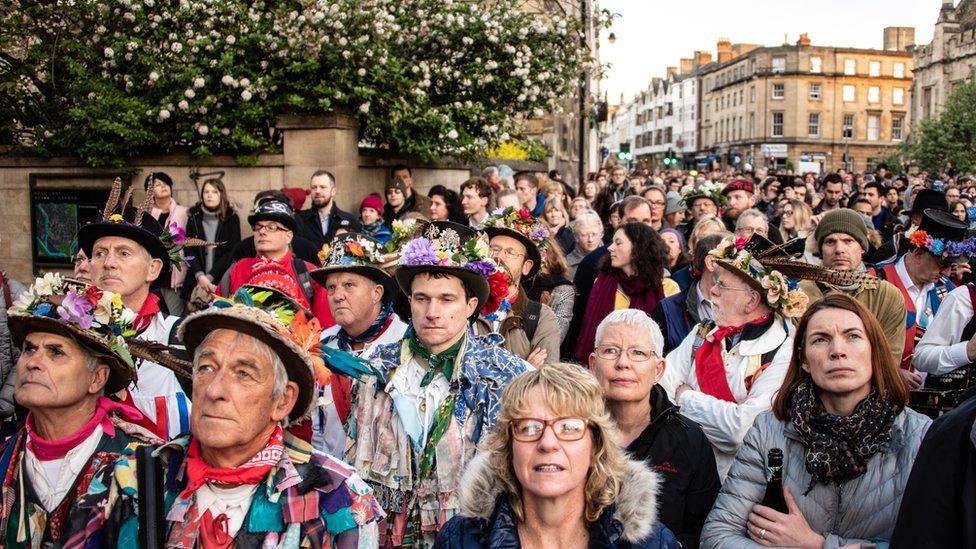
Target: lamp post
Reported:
point(581, 152)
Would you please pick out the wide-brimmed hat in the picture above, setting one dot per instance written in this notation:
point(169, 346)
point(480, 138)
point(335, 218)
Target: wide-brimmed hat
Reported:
point(95, 318)
point(942, 235)
point(457, 250)
point(928, 198)
point(267, 316)
point(359, 254)
point(707, 189)
point(274, 210)
point(779, 292)
point(520, 225)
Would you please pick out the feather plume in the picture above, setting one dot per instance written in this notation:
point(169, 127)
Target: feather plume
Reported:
point(113, 198)
point(126, 198)
point(802, 270)
point(161, 354)
point(199, 242)
point(146, 205)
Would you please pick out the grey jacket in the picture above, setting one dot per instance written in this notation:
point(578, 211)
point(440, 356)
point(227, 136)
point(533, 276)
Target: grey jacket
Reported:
point(8, 354)
point(856, 511)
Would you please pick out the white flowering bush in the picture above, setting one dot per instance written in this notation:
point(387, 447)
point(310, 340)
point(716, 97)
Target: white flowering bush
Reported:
point(109, 79)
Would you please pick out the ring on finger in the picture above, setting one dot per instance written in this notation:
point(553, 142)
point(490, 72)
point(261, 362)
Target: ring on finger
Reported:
point(762, 534)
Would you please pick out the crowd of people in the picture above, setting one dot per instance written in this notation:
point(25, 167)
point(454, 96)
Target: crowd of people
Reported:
point(517, 362)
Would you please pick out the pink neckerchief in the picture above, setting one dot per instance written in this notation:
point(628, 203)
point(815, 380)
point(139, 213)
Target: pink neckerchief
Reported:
point(47, 450)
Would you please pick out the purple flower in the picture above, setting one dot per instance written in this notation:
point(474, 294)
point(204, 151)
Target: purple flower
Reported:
point(539, 233)
point(76, 309)
point(179, 233)
point(482, 267)
point(419, 251)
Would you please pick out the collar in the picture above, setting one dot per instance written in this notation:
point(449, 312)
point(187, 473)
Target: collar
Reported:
point(327, 211)
point(771, 339)
point(906, 279)
point(146, 313)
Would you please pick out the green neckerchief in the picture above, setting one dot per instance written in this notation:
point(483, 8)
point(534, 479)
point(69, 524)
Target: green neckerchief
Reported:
point(441, 362)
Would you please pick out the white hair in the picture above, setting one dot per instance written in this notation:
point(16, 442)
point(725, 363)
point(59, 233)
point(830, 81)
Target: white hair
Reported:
point(258, 346)
point(588, 218)
point(752, 212)
point(638, 319)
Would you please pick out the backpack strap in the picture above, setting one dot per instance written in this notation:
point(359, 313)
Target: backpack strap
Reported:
point(530, 320)
point(304, 278)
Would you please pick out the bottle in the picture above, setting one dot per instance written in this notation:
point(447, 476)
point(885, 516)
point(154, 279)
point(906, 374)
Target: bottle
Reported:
point(774, 486)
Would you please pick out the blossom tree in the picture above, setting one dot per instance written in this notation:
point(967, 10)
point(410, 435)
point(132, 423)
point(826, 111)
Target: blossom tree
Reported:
point(106, 79)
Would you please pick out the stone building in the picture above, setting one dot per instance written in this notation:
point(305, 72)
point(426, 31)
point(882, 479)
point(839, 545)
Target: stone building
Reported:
point(805, 106)
point(948, 60)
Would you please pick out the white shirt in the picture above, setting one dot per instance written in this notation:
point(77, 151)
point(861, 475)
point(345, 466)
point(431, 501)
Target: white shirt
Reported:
point(159, 384)
point(232, 501)
point(52, 479)
point(416, 405)
point(919, 295)
point(941, 349)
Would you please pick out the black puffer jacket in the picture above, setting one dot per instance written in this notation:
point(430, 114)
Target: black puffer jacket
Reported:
point(677, 449)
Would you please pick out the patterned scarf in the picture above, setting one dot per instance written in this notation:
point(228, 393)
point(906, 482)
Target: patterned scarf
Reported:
point(345, 341)
point(198, 472)
point(441, 362)
point(839, 447)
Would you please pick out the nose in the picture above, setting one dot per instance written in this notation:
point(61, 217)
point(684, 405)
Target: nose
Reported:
point(548, 442)
point(216, 388)
point(838, 348)
point(109, 261)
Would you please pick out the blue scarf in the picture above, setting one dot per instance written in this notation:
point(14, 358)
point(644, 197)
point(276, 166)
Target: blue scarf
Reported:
point(345, 341)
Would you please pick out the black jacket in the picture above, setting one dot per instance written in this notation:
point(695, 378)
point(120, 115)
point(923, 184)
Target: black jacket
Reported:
point(310, 227)
point(938, 508)
point(677, 449)
point(228, 235)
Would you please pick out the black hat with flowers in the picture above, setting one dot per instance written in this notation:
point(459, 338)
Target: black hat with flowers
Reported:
point(359, 254)
point(520, 225)
point(274, 210)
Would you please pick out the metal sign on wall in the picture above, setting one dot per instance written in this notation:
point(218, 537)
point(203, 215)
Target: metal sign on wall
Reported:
point(59, 206)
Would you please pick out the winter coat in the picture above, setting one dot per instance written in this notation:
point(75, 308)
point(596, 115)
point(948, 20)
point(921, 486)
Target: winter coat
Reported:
point(679, 452)
point(486, 518)
point(228, 235)
point(856, 511)
point(939, 507)
point(310, 225)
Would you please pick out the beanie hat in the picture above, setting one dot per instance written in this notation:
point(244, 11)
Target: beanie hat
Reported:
point(845, 221)
point(372, 201)
point(396, 183)
point(674, 203)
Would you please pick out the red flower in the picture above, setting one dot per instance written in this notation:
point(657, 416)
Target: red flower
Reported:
point(497, 291)
point(524, 214)
point(93, 294)
point(919, 239)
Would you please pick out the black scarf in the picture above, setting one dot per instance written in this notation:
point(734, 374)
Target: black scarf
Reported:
point(839, 447)
point(345, 341)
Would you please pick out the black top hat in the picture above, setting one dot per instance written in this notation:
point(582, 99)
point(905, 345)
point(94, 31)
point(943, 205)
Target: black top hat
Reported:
point(929, 198)
point(941, 224)
point(274, 210)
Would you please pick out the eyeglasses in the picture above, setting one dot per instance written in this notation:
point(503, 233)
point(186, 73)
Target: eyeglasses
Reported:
point(507, 252)
point(787, 212)
point(566, 429)
point(657, 203)
point(725, 288)
point(78, 258)
point(268, 228)
point(634, 354)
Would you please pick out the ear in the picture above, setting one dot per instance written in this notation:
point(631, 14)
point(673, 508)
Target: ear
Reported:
point(377, 293)
point(527, 267)
point(657, 371)
point(155, 267)
point(591, 361)
point(472, 306)
point(98, 379)
point(285, 403)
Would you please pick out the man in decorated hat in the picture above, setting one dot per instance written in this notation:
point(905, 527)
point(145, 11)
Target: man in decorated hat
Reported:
point(130, 252)
point(245, 481)
point(274, 264)
point(531, 329)
point(702, 199)
point(361, 297)
point(726, 372)
point(417, 421)
point(937, 251)
point(897, 245)
point(70, 470)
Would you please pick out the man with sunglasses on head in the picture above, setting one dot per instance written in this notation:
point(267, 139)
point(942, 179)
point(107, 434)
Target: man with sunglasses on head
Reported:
point(274, 265)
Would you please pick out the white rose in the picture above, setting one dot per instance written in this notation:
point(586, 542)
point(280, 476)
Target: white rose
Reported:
point(245, 82)
point(183, 105)
point(163, 114)
point(189, 93)
point(176, 47)
point(361, 72)
point(227, 80)
point(224, 131)
point(203, 130)
point(230, 39)
point(153, 76)
point(246, 95)
point(364, 108)
point(199, 82)
point(109, 52)
point(453, 134)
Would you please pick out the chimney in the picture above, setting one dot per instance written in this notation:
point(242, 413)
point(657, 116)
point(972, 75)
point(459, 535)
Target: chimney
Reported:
point(724, 50)
point(702, 58)
point(672, 72)
point(687, 65)
point(804, 40)
point(899, 38)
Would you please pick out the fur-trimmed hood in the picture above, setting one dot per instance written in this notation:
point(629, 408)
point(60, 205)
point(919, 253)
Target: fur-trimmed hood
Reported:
point(635, 509)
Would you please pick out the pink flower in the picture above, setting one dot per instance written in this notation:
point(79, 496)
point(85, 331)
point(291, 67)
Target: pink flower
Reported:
point(76, 309)
point(740, 242)
point(179, 233)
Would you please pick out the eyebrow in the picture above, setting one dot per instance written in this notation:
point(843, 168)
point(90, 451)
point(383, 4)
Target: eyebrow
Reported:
point(825, 332)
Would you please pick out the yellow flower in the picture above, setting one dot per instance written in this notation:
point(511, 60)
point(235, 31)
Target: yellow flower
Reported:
point(115, 218)
point(116, 301)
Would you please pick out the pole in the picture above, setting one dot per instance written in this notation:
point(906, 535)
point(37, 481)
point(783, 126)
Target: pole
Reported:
point(581, 168)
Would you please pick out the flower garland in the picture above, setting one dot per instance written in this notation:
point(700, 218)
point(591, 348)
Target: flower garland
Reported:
point(941, 247)
point(402, 231)
point(780, 292)
point(708, 189)
point(351, 251)
point(173, 239)
point(444, 249)
point(522, 222)
point(98, 312)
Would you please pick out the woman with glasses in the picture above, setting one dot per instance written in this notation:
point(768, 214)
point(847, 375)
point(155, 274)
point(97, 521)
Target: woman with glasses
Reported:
point(552, 475)
point(632, 276)
point(628, 363)
point(588, 232)
point(796, 221)
point(847, 440)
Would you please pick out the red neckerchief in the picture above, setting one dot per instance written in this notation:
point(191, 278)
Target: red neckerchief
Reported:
point(47, 450)
point(709, 366)
point(199, 472)
point(145, 315)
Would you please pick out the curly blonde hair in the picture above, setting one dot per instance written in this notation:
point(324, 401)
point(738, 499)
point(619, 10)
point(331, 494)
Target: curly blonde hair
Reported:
point(570, 391)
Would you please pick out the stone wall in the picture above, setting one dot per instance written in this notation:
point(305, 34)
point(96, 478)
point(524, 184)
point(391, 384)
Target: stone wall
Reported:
point(326, 142)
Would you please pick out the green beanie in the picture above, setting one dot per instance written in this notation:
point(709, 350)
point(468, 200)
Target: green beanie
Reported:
point(845, 221)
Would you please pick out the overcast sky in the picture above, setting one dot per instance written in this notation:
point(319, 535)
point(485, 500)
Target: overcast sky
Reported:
point(654, 34)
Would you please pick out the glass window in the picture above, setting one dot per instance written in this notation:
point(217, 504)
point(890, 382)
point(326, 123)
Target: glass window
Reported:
point(897, 122)
point(848, 126)
point(813, 128)
point(850, 67)
point(849, 93)
point(898, 96)
point(752, 125)
point(779, 91)
point(779, 64)
point(874, 68)
point(778, 124)
point(874, 94)
point(899, 70)
point(815, 92)
point(874, 127)
point(816, 65)
point(752, 94)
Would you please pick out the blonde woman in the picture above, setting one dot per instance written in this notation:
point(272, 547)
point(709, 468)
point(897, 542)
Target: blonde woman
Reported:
point(555, 217)
point(709, 224)
point(796, 221)
point(552, 475)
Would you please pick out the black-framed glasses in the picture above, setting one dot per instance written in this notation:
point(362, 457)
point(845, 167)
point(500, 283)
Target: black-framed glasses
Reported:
point(530, 429)
point(634, 354)
point(268, 228)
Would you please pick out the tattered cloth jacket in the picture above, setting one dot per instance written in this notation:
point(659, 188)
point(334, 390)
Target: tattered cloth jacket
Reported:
point(385, 456)
point(98, 511)
point(309, 499)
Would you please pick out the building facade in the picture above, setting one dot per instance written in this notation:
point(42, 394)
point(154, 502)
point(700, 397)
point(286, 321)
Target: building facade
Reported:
point(804, 106)
point(947, 61)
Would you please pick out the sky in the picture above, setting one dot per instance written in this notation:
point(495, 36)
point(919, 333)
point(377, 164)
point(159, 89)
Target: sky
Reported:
point(652, 35)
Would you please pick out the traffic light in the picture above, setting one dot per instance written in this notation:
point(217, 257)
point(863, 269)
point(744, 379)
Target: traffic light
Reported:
point(624, 153)
point(670, 160)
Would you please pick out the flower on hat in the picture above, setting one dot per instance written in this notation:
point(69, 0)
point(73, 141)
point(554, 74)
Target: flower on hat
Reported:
point(522, 222)
point(352, 250)
point(778, 291)
point(402, 230)
point(941, 247)
point(707, 189)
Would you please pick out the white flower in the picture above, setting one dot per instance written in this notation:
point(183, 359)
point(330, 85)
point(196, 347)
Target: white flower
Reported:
point(176, 47)
point(163, 114)
point(230, 39)
point(199, 82)
point(127, 315)
point(153, 76)
point(364, 108)
point(47, 284)
point(183, 105)
point(109, 52)
point(203, 129)
point(224, 131)
point(246, 95)
point(227, 80)
point(245, 82)
point(361, 72)
point(189, 93)
point(453, 134)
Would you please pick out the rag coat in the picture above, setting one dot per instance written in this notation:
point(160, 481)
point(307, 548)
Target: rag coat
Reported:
point(486, 518)
point(861, 510)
